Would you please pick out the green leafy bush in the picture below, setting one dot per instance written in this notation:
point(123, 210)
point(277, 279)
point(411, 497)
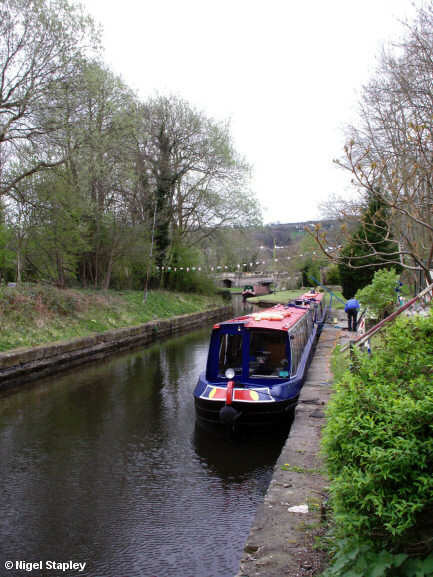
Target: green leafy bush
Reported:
point(378, 443)
point(357, 558)
point(332, 275)
point(380, 296)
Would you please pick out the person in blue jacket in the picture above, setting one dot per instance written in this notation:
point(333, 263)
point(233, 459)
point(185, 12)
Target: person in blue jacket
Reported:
point(351, 308)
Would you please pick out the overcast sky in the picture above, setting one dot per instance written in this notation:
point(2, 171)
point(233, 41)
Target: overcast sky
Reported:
point(287, 74)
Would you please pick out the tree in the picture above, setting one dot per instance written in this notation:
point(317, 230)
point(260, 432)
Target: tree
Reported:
point(85, 167)
point(103, 167)
point(390, 152)
point(96, 142)
point(77, 214)
point(368, 249)
point(310, 262)
point(191, 174)
point(40, 45)
point(7, 256)
point(53, 228)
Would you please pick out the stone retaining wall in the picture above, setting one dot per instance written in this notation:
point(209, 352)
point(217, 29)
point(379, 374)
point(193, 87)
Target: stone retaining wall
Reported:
point(27, 364)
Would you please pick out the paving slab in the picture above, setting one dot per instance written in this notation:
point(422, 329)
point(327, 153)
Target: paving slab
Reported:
point(293, 504)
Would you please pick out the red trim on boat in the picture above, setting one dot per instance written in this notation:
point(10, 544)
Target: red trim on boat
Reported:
point(229, 393)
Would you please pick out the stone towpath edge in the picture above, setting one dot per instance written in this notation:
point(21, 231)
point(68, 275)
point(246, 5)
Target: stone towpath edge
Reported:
point(276, 544)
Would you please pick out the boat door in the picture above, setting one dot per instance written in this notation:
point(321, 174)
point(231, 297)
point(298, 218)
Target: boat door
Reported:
point(227, 351)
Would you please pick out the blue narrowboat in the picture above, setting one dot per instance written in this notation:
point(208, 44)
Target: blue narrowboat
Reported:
point(257, 364)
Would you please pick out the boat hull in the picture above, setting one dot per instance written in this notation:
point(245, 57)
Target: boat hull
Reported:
point(246, 416)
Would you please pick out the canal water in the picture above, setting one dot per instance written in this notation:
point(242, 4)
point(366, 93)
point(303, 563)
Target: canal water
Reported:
point(104, 465)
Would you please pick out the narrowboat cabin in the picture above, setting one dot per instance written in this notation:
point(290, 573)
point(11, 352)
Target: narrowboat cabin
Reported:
point(257, 365)
point(317, 302)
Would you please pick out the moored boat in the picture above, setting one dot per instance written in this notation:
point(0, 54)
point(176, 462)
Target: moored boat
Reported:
point(257, 365)
point(248, 291)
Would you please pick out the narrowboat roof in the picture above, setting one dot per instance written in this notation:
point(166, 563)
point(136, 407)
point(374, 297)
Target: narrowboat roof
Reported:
point(279, 317)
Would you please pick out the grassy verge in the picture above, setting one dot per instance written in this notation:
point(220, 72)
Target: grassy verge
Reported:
point(277, 297)
point(284, 296)
point(340, 363)
point(32, 315)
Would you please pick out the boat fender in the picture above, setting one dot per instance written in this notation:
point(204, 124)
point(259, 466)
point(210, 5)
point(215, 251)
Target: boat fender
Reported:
point(228, 415)
point(229, 393)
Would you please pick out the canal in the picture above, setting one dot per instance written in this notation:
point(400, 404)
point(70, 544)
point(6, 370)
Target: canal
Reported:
point(104, 465)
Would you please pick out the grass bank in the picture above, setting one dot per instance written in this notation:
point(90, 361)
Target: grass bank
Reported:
point(284, 296)
point(277, 297)
point(34, 314)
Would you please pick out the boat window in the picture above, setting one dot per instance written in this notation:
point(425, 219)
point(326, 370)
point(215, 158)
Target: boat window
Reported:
point(268, 354)
point(310, 322)
point(317, 311)
point(299, 339)
point(296, 348)
point(230, 354)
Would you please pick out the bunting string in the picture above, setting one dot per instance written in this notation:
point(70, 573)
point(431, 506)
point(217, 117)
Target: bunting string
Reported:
point(238, 267)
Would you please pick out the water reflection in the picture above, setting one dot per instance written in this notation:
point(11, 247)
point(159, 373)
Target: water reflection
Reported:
point(238, 458)
point(105, 465)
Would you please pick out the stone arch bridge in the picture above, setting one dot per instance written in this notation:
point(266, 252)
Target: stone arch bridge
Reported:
point(237, 279)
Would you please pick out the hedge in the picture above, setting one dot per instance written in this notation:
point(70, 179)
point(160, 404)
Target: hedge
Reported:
point(378, 445)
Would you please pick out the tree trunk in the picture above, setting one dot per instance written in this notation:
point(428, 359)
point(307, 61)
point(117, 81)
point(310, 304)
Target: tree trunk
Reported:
point(107, 279)
point(19, 259)
point(60, 271)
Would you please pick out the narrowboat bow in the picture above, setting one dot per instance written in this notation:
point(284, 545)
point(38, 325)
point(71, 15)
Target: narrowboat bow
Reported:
point(257, 365)
point(248, 291)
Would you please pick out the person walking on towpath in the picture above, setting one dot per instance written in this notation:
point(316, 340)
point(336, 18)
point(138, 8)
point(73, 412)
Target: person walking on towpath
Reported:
point(351, 308)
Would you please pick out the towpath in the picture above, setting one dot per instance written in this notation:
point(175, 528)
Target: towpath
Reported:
point(279, 544)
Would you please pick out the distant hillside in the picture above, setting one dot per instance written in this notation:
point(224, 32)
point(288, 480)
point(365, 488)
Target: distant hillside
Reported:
point(286, 234)
point(230, 246)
